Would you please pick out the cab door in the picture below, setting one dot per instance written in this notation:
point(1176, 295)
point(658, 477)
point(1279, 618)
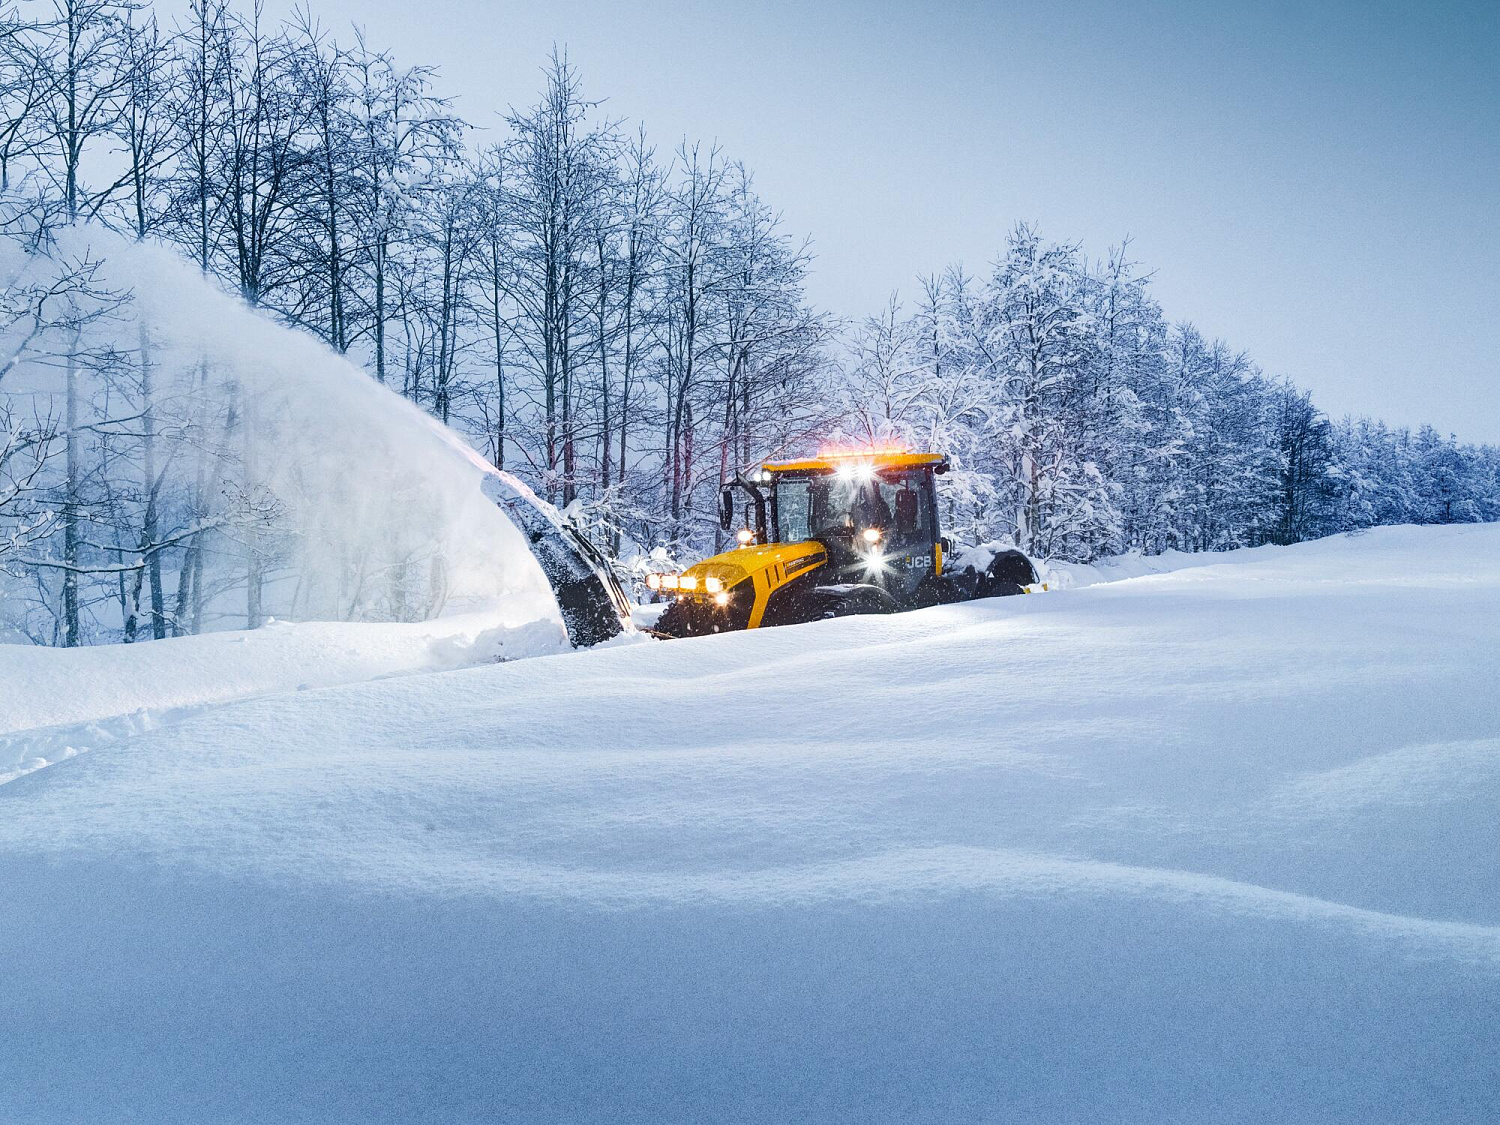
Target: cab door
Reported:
point(910, 542)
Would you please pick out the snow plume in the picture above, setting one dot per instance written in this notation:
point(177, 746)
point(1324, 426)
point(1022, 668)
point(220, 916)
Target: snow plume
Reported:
point(256, 473)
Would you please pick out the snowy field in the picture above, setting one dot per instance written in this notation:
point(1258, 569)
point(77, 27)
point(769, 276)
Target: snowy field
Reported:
point(1213, 844)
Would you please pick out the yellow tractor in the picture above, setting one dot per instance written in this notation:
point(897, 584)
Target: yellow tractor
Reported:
point(829, 536)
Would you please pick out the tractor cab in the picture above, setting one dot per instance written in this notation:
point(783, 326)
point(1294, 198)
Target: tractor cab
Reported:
point(873, 513)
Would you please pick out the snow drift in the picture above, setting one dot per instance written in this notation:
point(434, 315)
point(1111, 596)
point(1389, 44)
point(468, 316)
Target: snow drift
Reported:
point(56, 702)
point(1216, 844)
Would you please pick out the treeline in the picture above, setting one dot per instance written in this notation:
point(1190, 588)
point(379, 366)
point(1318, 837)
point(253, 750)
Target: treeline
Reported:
point(1085, 423)
point(622, 325)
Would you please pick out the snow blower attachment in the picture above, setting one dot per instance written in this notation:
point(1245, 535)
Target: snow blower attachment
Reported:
point(829, 536)
point(593, 606)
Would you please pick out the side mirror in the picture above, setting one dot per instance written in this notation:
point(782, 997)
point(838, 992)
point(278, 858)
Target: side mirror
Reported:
point(726, 509)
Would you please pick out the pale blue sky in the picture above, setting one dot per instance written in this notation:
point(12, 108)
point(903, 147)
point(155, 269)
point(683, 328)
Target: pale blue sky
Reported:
point(1317, 183)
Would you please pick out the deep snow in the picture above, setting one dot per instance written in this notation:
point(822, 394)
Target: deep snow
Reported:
point(1214, 844)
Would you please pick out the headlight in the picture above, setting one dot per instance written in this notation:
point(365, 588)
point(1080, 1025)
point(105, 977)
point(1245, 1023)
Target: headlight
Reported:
point(687, 582)
point(871, 535)
point(712, 585)
point(669, 581)
point(721, 599)
point(653, 581)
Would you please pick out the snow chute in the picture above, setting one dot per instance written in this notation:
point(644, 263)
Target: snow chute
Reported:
point(593, 606)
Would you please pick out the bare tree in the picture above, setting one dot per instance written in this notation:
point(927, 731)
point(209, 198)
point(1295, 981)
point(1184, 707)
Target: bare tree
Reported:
point(85, 70)
point(692, 280)
point(557, 168)
point(144, 124)
point(492, 283)
point(23, 93)
point(642, 199)
point(400, 135)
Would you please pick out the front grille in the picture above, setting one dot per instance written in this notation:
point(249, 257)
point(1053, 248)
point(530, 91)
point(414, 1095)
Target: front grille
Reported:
point(696, 615)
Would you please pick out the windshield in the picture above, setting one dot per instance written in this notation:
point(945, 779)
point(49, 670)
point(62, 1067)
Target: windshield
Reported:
point(833, 504)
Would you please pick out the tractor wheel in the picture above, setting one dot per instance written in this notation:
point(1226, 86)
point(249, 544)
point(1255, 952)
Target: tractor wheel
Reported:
point(943, 589)
point(1007, 573)
point(1010, 568)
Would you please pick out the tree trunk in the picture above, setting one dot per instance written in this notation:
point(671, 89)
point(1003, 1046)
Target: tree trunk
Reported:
point(71, 500)
point(569, 453)
point(498, 328)
point(149, 488)
point(625, 371)
point(254, 564)
point(380, 307)
point(605, 420)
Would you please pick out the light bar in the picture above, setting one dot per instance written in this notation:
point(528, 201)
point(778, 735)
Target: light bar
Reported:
point(832, 453)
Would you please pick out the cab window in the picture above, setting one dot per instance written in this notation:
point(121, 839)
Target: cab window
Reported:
point(897, 501)
point(792, 510)
point(904, 493)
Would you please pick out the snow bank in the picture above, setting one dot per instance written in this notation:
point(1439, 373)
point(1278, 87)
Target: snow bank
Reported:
point(1399, 556)
point(1070, 576)
point(1060, 575)
point(108, 694)
point(1211, 845)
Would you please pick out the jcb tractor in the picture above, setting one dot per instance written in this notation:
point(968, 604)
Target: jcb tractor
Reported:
point(829, 536)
